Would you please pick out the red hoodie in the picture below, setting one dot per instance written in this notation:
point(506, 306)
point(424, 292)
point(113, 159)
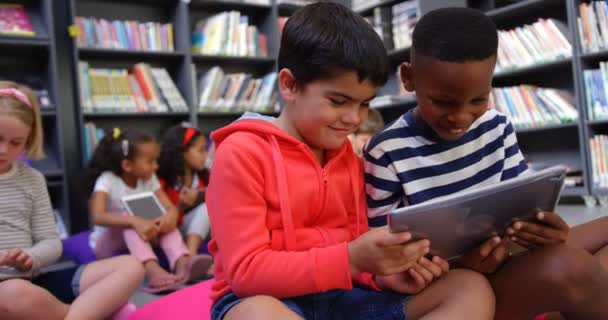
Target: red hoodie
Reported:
point(280, 221)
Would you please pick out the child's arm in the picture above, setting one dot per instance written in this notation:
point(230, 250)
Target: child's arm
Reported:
point(384, 189)
point(47, 246)
point(169, 221)
point(100, 216)
point(238, 214)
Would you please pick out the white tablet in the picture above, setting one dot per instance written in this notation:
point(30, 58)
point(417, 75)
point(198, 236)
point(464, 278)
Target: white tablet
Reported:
point(144, 204)
point(462, 221)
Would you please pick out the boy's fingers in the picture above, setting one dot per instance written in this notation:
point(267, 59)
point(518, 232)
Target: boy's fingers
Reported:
point(553, 219)
point(445, 266)
point(387, 239)
point(488, 246)
point(540, 230)
point(419, 282)
point(414, 250)
point(536, 239)
point(521, 242)
point(425, 273)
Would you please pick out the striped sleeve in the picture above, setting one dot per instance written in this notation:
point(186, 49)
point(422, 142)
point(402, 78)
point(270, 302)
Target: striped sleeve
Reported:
point(515, 163)
point(47, 246)
point(383, 189)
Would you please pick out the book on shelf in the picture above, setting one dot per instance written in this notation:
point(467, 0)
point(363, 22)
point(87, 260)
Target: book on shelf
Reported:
point(92, 136)
point(14, 20)
point(531, 107)
point(541, 42)
point(124, 35)
point(358, 5)
point(228, 34)
point(596, 92)
point(574, 175)
point(281, 21)
point(235, 92)
point(598, 147)
point(379, 21)
point(592, 24)
point(38, 88)
point(405, 17)
point(139, 89)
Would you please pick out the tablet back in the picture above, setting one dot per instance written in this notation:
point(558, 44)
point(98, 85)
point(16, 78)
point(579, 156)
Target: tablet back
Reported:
point(458, 223)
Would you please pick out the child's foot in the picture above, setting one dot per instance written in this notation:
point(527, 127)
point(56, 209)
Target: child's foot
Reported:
point(192, 268)
point(158, 277)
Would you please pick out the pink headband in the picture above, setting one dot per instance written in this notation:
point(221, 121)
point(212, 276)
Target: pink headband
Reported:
point(14, 93)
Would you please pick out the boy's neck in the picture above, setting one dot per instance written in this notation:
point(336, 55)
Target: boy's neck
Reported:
point(284, 124)
point(129, 180)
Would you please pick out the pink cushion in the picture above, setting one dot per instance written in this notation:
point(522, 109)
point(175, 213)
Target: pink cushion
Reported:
point(189, 303)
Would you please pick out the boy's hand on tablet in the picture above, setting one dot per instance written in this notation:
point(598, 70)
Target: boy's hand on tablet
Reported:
point(17, 259)
point(146, 229)
point(548, 229)
point(418, 277)
point(382, 253)
point(486, 258)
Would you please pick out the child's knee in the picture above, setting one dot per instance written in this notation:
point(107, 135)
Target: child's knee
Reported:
point(27, 293)
point(260, 307)
point(131, 265)
point(473, 282)
point(570, 272)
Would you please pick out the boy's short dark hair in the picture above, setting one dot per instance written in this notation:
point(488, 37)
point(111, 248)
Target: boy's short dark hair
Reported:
point(455, 35)
point(324, 38)
point(373, 124)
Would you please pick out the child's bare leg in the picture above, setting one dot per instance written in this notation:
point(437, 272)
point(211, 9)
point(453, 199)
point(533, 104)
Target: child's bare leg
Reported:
point(105, 286)
point(558, 278)
point(23, 300)
point(460, 294)
point(592, 237)
point(262, 308)
point(193, 242)
point(157, 276)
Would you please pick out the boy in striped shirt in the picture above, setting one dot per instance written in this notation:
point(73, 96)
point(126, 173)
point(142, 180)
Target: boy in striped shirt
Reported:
point(451, 142)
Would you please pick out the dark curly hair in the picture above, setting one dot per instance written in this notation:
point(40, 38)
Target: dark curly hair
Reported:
point(110, 152)
point(171, 163)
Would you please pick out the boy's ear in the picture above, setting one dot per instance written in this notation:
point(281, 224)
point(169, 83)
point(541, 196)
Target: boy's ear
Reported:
point(126, 165)
point(407, 76)
point(287, 85)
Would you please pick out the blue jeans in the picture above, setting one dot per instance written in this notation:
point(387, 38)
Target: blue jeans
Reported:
point(355, 304)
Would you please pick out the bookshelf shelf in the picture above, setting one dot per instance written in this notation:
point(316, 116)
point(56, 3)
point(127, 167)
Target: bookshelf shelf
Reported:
point(135, 55)
point(35, 41)
point(595, 56)
point(48, 167)
point(374, 4)
point(138, 115)
point(219, 114)
point(520, 8)
point(600, 191)
point(404, 103)
point(287, 9)
point(228, 5)
point(48, 113)
point(224, 60)
point(572, 125)
point(542, 67)
point(574, 191)
point(597, 123)
point(54, 184)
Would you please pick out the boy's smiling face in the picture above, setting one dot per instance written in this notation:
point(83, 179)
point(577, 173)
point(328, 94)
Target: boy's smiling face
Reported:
point(324, 112)
point(451, 95)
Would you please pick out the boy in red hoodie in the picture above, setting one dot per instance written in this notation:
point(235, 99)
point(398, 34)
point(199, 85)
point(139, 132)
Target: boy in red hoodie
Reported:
point(286, 198)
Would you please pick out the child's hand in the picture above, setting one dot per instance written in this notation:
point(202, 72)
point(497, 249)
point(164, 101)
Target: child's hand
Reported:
point(548, 229)
point(382, 253)
point(187, 197)
point(488, 257)
point(17, 259)
point(146, 229)
point(167, 223)
point(416, 278)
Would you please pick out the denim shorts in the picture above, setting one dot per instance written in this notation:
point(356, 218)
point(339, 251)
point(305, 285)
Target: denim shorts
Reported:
point(64, 284)
point(355, 304)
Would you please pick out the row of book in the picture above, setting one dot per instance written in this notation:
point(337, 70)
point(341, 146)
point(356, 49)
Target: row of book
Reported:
point(220, 91)
point(540, 42)
point(92, 136)
point(228, 33)
point(593, 25)
point(140, 89)
point(598, 147)
point(124, 35)
point(596, 90)
point(14, 20)
point(395, 24)
point(530, 107)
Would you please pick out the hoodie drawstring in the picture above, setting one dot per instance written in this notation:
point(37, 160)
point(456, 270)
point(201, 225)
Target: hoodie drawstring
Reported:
point(286, 215)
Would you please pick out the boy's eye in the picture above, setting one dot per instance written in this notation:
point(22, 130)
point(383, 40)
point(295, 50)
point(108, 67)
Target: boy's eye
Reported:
point(365, 104)
point(479, 101)
point(16, 143)
point(337, 102)
point(442, 103)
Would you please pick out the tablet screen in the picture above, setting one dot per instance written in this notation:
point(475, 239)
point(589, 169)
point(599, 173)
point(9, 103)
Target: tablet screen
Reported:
point(145, 207)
